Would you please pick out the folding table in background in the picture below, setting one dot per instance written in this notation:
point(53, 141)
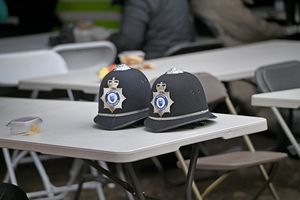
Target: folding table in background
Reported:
point(281, 99)
point(227, 64)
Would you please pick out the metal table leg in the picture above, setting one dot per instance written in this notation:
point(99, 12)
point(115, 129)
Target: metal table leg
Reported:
point(122, 177)
point(134, 189)
point(286, 129)
point(191, 172)
point(135, 183)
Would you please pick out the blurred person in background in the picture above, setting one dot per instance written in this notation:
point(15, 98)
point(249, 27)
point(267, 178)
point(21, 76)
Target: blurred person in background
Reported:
point(236, 24)
point(153, 26)
point(34, 16)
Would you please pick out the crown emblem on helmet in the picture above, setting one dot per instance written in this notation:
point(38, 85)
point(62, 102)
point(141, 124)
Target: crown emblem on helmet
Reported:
point(113, 83)
point(113, 96)
point(161, 101)
point(161, 87)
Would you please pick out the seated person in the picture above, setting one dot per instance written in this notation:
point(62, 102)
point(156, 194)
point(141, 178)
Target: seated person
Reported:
point(153, 26)
point(235, 23)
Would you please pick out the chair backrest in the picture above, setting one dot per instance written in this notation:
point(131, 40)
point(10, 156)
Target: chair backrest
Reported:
point(30, 64)
point(279, 76)
point(214, 89)
point(215, 92)
point(88, 54)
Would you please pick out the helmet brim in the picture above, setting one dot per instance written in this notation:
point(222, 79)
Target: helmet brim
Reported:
point(165, 125)
point(114, 123)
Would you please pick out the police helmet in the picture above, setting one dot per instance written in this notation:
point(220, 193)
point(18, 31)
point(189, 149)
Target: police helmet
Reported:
point(123, 98)
point(177, 99)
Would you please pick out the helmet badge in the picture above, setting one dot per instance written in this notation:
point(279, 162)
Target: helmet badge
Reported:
point(161, 101)
point(113, 96)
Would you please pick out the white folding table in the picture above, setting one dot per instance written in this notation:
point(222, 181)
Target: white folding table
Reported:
point(85, 80)
point(231, 63)
point(68, 130)
point(280, 99)
point(227, 64)
point(25, 43)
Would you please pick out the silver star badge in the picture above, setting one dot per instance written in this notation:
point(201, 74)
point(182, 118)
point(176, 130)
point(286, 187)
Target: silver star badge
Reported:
point(113, 96)
point(161, 101)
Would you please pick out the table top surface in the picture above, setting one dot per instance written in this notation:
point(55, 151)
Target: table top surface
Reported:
point(231, 63)
point(227, 64)
point(68, 130)
point(85, 80)
point(281, 99)
point(25, 43)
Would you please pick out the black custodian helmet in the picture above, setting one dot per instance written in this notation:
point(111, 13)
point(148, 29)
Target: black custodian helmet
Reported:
point(177, 99)
point(123, 98)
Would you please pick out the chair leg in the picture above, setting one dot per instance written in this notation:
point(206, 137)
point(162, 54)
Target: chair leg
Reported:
point(214, 184)
point(270, 185)
point(134, 181)
point(185, 171)
point(84, 176)
point(99, 185)
point(15, 160)
point(286, 129)
point(45, 179)
point(121, 175)
point(271, 175)
point(82, 180)
point(34, 94)
point(252, 149)
point(10, 169)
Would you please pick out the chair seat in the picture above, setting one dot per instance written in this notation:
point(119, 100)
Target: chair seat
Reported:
point(238, 160)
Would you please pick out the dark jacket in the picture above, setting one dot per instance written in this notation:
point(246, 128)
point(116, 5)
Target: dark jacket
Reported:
point(153, 26)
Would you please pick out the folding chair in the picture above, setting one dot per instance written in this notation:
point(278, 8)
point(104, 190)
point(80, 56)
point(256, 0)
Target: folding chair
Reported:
point(88, 54)
point(25, 65)
point(276, 77)
point(17, 66)
point(230, 162)
point(30, 64)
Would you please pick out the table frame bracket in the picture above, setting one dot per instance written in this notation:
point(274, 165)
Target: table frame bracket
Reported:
point(134, 189)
